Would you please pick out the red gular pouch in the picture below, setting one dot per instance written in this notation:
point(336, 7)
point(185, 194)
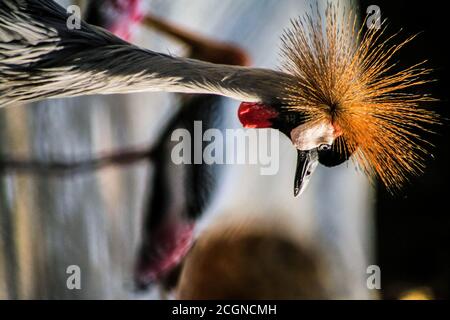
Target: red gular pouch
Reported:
point(256, 115)
point(123, 16)
point(165, 250)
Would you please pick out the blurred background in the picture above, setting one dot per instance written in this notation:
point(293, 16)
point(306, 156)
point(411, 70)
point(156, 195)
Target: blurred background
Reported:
point(336, 229)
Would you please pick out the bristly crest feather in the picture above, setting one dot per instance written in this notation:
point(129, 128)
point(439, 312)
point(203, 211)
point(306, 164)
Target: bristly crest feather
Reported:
point(344, 75)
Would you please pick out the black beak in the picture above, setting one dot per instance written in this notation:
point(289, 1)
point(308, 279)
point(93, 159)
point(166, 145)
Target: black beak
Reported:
point(307, 162)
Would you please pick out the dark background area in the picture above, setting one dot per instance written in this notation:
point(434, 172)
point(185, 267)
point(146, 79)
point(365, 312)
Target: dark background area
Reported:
point(413, 226)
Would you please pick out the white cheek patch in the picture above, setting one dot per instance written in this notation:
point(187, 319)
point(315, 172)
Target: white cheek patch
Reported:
point(310, 136)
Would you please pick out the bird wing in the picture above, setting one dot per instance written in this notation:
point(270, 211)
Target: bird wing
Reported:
point(41, 58)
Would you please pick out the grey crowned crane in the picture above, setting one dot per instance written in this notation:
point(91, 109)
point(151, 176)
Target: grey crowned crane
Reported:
point(336, 96)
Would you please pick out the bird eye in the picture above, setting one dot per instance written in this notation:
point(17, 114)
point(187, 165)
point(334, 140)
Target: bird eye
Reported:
point(325, 147)
point(331, 157)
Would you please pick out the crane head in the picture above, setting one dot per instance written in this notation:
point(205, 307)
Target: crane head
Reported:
point(315, 143)
point(347, 98)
